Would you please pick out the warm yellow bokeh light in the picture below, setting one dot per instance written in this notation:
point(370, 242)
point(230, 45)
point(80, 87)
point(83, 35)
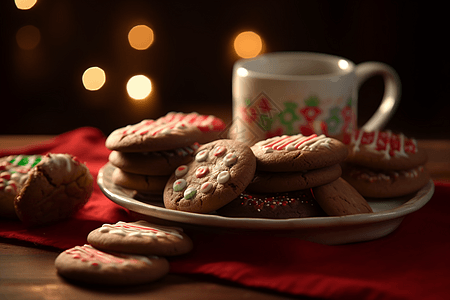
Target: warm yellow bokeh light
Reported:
point(248, 44)
point(139, 87)
point(93, 78)
point(140, 37)
point(28, 37)
point(25, 4)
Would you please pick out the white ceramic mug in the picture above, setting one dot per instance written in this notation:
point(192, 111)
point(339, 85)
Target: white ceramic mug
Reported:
point(300, 92)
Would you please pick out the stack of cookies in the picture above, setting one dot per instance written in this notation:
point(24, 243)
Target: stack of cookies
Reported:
point(147, 153)
point(382, 164)
point(287, 168)
point(124, 254)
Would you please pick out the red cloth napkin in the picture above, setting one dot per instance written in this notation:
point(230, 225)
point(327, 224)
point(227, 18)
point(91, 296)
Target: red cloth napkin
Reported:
point(411, 263)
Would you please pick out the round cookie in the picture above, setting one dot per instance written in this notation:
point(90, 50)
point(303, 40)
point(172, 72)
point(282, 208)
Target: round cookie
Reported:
point(339, 198)
point(140, 237)
point(385, 183)
point(210, 126)
point(298, 153)
point(155, 163)
point(220, 171)
point(57, 187)
point(384, 150)
point(153, 135)
point(89, 265)
point(141, 183)
point(297, 204)
point(274, 182)
point(13, 174)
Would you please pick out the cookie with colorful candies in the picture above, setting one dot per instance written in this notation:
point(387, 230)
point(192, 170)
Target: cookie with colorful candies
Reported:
point(221, 170)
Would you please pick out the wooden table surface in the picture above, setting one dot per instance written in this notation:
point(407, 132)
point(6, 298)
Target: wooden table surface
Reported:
point(27, 271)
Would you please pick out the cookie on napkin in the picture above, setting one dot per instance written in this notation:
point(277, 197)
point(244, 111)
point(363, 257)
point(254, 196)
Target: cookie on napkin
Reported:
point(44, 189)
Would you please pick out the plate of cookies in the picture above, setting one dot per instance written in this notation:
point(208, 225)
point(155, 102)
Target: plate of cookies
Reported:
point(312, 187)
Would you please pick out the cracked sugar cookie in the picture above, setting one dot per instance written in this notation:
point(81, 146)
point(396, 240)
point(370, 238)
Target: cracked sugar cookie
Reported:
point(13, 174)
point(220, 171)
point(55, 188)
point(141, 237)
point(90, 265)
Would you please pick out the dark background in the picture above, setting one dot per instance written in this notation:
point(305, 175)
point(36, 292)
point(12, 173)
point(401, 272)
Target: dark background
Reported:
point(191, 59)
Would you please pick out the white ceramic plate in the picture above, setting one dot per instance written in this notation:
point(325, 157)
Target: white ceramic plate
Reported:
point(387, 216)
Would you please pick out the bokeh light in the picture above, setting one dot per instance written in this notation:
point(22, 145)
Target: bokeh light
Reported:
point(25, 4)
point(140, 37)
point(93, 78)
point(28, 37)
point(248, 44)
point(139, 87)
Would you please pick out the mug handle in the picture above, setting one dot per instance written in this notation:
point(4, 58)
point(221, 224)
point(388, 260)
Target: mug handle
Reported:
point(392, 91)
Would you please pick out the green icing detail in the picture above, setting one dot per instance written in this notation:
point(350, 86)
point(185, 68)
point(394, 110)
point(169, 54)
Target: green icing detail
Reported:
point(38, 159)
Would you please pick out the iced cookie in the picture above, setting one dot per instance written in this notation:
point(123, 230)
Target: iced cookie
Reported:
point(153, 163)
point(382, 164)
point(210, 126)
point(273, 182)
point(298, 153)
point(13, 174)
point(140, 237)
point(145, 184)
point(297, 204)
point(56, 187)
point(339, 198)
point(90, 265)
point(220, 171)
point(153, 135)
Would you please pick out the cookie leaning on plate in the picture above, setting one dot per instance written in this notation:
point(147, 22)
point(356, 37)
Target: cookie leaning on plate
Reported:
point(382, 164)
point(339, 198)
point(142, 238)
point(93, 266)
point(220, 171)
